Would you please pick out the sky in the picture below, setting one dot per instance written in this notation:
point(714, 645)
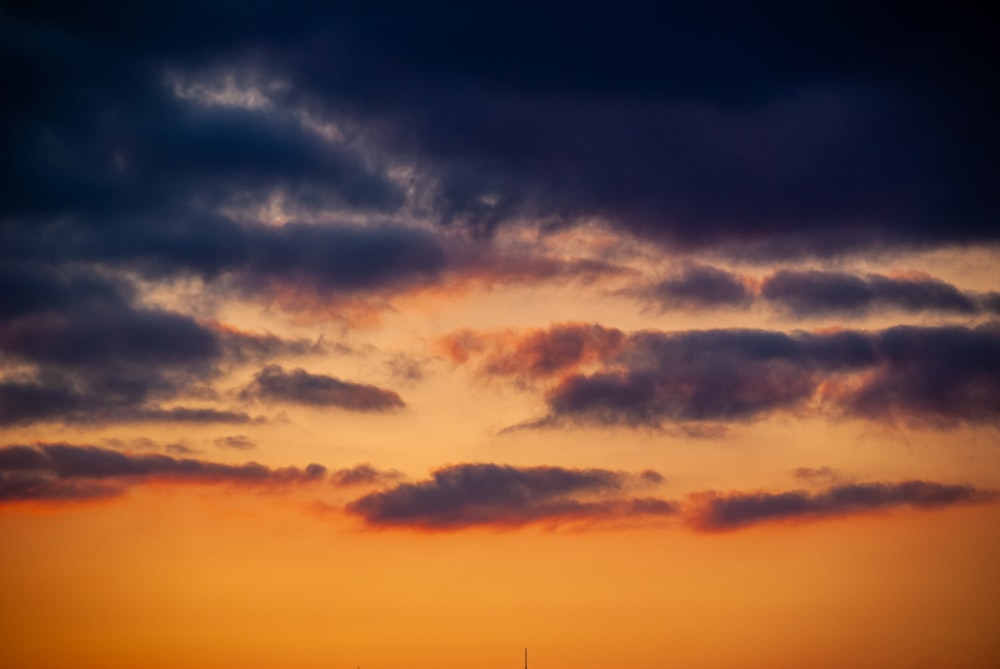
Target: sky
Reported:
point(412, 335)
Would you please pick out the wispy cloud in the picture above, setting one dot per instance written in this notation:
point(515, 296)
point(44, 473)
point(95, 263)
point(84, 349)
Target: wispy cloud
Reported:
point(362, 475)
point(237, 442)
point(718, 512)
point(67, 472)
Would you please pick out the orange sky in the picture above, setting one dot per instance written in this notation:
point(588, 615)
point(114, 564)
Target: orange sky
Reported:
point(205, 574)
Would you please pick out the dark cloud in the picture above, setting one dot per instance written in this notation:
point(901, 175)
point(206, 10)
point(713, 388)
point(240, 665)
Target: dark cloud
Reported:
point(125, 337)
point(715, 512)
point(991, 303)
point(821, 293)
point(724, 375)
point(274, 384)
point(26, 402)
point(766, 129)
point(33, 290)
point(807, 293)
point(322, 257)
point(708, 134)
point(497, 495)
point(929, 376)
point(65, 472)
point(363, 474)
point(101, 399)
point(700, 286)
point(936, 377)
point(31, 488)
point(178, 415)
point(78, 348)
point(342, 258)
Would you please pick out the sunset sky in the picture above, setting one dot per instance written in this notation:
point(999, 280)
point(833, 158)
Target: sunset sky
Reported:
point(410, 335)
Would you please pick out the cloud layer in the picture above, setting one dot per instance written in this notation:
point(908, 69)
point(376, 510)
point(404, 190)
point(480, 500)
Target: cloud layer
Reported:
point(471, 495)
point(501, 496)
point(813, 293)
point(808, 134)
point(67, 472)
point(925, 376)
point(78, 348)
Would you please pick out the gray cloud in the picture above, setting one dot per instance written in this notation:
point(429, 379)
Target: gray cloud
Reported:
point(66, 472)
point(812, 293)
point(503, 496)
point(928, 376)
point(698, 287)
point(715, 512)
point(77, 348)
point(824, 293)
point(805, 134)
point(237, 442)
point(363, 474)
point(274, 384)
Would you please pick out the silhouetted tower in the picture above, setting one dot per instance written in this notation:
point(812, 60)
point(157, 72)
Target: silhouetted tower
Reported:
point(525, 658)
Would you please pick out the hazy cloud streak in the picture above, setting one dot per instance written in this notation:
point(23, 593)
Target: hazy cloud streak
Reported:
point(717, 512)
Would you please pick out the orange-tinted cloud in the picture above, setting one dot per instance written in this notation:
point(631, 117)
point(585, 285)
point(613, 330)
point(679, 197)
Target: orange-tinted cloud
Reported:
point(534, 354)
point(927, 376)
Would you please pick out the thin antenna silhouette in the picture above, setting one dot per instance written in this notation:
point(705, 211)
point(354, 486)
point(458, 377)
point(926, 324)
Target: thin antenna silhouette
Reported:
point(525, 658)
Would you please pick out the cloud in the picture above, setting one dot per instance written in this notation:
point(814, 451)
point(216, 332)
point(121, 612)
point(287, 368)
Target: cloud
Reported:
point(811, 293)
point(560, 349)
point(934, 377)
point(65, 472)
point(814, 293)
point(105, 397)
point(80, 349)
point(125, 337)
point(698, 287)
point(929, 376)
point(31, 290)
point(925, 376)
point(469, 495)
point(363, 474)
point(274, 384)
point(806, 135)
point(237, 442)
point(180, 449)
point(813, 474)
point(715, 512)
